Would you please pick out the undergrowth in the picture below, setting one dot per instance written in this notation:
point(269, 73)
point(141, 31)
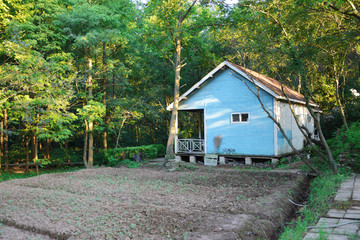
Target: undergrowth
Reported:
point(130, 164)
point(116, 156)
point(4, 176)
point(322, 190)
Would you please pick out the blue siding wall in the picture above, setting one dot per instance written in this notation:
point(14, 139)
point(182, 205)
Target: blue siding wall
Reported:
point(225, 94)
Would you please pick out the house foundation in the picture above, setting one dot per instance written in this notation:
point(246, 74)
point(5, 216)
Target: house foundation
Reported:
point(248, 161)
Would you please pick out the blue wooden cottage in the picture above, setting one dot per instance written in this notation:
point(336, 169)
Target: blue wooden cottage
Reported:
point(230, 110)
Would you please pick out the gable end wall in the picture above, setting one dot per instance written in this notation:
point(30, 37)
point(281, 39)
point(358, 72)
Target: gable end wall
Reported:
point(225, 94)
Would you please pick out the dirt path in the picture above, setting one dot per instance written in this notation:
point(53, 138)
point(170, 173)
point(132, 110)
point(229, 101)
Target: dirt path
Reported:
point(122, 203)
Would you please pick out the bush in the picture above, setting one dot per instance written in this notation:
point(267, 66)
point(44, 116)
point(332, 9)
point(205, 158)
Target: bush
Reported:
point(114, 156)
point(346, 146)
point(161, 149)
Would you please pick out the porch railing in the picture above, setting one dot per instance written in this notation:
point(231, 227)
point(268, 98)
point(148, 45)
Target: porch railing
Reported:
point(190, 146)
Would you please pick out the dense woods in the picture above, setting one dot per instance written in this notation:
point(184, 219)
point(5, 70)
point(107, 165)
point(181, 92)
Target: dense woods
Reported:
point(78, 77)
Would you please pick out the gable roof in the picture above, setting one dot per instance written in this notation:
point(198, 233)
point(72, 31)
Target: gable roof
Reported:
point(268, 84)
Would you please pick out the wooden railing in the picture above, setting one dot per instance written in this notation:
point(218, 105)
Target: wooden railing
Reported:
point(190, 146)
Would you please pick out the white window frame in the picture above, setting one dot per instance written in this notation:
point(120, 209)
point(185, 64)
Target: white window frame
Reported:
point(240, 113)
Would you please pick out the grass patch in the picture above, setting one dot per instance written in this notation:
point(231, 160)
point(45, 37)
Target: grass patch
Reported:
point(322, 190)
point(130, 164)
point(5, 176)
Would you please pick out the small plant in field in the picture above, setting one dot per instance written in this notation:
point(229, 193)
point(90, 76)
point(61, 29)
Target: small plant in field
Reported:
point(130, 164)
point(240, 198)
point(353, 237)
point(189, 166)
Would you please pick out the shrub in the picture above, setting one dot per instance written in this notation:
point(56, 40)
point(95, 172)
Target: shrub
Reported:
point(346, 146)
point(161, 149)
point(114, 156)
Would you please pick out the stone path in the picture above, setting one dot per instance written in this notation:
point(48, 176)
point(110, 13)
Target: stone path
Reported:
point(344, 223)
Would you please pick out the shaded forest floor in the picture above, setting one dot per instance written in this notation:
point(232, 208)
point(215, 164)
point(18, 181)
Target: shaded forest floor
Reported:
point(148, 203)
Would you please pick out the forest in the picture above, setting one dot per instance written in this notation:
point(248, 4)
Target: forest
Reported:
point(79, 77)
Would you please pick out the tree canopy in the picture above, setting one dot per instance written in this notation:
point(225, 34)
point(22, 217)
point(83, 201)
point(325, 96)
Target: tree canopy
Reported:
point(93, 74)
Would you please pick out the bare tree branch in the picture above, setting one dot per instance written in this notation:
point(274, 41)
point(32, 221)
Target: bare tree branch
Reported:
point(258, 96)
point(182, 18)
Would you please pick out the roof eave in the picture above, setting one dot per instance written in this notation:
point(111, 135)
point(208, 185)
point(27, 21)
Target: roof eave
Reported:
point(297, 101)
point(252, 79)
point(242, 73)
point(207, 76)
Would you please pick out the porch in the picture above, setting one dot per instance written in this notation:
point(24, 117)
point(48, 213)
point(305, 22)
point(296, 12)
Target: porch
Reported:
point(190, 146)
point(190, 134)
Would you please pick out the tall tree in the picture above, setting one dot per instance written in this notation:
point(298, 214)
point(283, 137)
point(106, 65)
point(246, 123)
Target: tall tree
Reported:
point(170, 27)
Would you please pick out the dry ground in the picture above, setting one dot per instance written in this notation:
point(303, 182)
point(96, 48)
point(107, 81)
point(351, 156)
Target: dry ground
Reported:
point(147, 203)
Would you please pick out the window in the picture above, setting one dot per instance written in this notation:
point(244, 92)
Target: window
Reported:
point(240, 117)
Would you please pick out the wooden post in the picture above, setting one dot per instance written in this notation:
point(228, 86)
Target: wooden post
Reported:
point(176, 131)
point(199, 115)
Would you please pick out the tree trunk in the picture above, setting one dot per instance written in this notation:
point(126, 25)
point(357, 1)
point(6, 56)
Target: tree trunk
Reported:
point(113, 81)
point(36, 157)
point(104, 98)
point(47, 149)
point(90, 123)
point(89, 81)
point(32, 146)
point(299, 84)
point(273, 118)
point(177, 65)
point(85, 145)
point(342, 112)
point(6, 150)
point(27, 141)
point(170, 143)
point(322, 139)
point(91, 145)
point(121, 126)
point(301, 127)
point(36, 140)
point(66, 147)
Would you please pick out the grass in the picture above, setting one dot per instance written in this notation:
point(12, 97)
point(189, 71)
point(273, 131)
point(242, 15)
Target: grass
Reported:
point(9, 176)
point(322, 190)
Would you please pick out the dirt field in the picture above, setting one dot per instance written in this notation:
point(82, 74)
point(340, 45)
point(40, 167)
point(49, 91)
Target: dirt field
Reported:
point(147, 203)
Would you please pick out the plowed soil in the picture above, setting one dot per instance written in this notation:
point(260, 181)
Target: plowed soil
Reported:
point(148, 203)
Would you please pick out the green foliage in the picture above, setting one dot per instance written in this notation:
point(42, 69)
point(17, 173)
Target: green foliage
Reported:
point(9, 176)
point(117, 155)
point(42, 162)
point(322, 190)
point(46, 44)
point(93, 111)
point(346, 146)
point(130, 163)
point(161, 149)
point(189, 166)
